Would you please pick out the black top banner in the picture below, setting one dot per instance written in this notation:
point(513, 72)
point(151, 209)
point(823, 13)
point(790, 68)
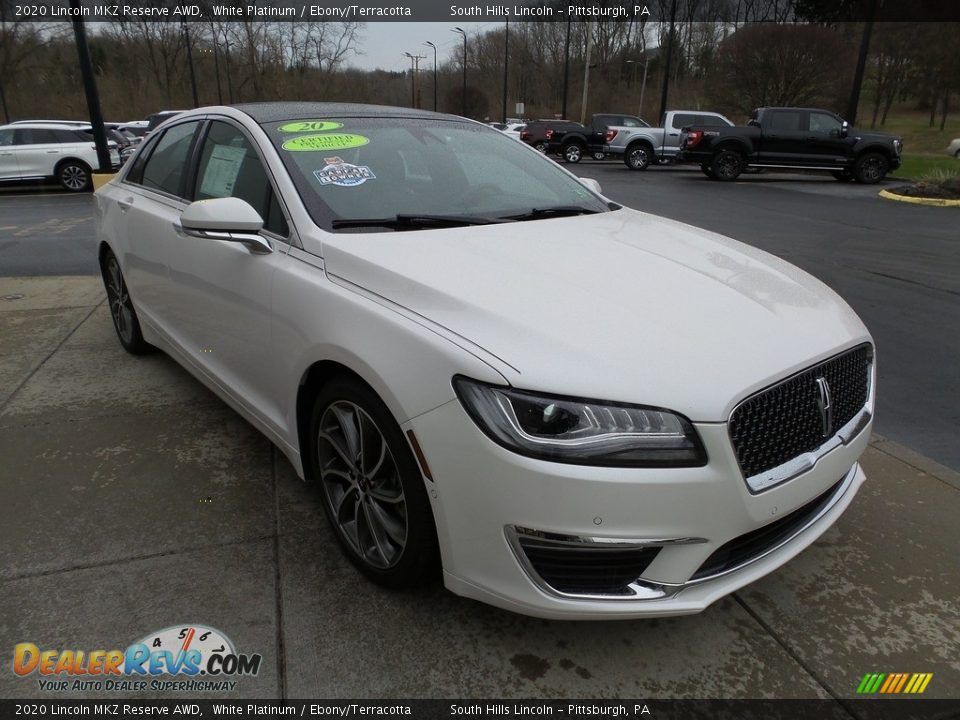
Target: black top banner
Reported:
point(890, 709)
point(731, 11)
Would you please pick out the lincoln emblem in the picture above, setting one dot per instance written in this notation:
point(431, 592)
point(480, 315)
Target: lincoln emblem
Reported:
point(825, 405)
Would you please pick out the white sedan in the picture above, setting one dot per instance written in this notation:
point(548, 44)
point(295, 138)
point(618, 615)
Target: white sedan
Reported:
point(571, 408)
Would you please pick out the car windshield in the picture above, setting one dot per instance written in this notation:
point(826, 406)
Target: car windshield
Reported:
point(423, 173)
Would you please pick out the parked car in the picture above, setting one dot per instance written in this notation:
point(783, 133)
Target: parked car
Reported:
point(470, 393)
point(538, 133)
point(123, 142)
point(514, 129)
point(641, 146)
point(156, 118)
point(34, 151)
point(954, 148)
point(787, 138)
point(576, 142)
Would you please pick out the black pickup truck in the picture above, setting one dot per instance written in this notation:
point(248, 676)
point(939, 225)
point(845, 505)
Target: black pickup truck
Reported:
point(792, 138)
point(573, 144)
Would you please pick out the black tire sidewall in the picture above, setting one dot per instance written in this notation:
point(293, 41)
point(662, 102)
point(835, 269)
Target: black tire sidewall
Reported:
point(418, 561)
point(716, 160)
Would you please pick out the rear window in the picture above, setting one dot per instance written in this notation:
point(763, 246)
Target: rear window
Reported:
point(784, 120)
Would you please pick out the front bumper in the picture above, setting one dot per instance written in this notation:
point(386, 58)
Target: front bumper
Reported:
point(481, 493)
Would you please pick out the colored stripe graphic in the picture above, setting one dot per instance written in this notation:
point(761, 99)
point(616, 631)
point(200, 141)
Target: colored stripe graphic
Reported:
point(894, 683)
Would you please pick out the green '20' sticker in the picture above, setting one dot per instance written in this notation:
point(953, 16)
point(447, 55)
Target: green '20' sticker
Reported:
point(310, 126)
point(327, 141)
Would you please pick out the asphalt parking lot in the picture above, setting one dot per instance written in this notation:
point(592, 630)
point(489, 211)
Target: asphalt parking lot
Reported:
point(136, 500)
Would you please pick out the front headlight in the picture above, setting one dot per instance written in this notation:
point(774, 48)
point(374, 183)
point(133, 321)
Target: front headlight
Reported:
point(898, 145)
point(579, 431)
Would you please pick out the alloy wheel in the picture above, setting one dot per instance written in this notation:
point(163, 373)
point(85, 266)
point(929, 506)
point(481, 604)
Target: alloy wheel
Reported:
point(74, 177)
point(639, 159)
point(121, 307)
point(727, 166)
point(871, 169)
point(362, 485)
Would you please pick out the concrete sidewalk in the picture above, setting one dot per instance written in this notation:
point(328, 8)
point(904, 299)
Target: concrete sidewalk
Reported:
point(135, 500)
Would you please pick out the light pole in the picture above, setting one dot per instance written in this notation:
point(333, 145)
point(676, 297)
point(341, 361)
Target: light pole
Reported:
point(193, 75)
point(506, 60)
point(463, 32)
point(566, 71)
point(430, 44)
point(643, 85)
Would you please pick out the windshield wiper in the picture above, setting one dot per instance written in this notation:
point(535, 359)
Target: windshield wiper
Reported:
point(412, 221)
point(554, 211)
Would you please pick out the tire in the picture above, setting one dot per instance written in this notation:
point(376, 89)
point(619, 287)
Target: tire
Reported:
point(74, 176)
point(871, 168)
point(572, 153)
point(541, 146)
point(637, 157)
point(359, 457)
point(599, 156)
point(726, 165)
point(705, 169)
point(844, 176)
point(122, 312)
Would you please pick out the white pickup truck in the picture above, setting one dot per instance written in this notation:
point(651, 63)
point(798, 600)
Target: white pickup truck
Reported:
point(640, 146)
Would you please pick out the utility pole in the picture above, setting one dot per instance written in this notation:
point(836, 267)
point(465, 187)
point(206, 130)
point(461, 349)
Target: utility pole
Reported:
point(414, 72)
point(666, 71)
point(430, 44)
point(566, 70)
point(586, 73)
point(193, 75)
point(506, 60)
point(851, 116)
point(463, 32)
point(216, 64)
point(90, 88)
point(3, 96)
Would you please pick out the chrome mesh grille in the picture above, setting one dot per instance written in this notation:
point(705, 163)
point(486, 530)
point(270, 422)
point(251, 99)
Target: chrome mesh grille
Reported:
point(785, 420)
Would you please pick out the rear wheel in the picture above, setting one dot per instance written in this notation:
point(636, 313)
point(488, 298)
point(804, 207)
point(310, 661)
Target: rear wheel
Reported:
point(572, 152)
point(637, 157)
point(726, 165)
point(843, 175)
point(124, 316)
point(373, 490)
point(599, 156)
point(540, 146)
point(871, 168)
point(74, 176)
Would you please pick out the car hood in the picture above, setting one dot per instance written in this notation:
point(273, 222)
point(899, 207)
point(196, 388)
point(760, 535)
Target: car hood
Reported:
point(619, 306)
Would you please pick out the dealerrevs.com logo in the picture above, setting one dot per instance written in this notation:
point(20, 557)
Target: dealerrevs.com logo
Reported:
point(199, 657)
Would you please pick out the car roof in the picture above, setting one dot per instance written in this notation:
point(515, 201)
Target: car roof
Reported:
point(266, 112)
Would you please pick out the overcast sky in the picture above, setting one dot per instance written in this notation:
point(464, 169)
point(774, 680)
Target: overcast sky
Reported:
point(384, 43)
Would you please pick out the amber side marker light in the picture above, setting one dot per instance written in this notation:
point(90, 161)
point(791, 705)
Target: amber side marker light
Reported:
point(424, 468)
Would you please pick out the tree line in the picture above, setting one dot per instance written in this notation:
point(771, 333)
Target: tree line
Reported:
point(724, 55)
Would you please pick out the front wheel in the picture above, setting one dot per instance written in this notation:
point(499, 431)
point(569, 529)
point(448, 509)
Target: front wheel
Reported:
point(705, 169)
point(871, 168)
point(124, 316)
point(726, 165)
point(637, 158)
point(74, 176)
point(572, 153)
point(372, 487)
point(541, 146)
point(599, 156)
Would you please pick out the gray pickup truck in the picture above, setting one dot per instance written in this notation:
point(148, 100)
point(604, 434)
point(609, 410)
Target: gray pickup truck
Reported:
point(640, 146)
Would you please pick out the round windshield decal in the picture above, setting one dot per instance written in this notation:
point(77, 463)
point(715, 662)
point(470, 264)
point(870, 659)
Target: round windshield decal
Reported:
point(310, 126)
point(327, 141)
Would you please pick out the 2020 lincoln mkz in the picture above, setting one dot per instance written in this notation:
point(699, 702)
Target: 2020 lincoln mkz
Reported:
point(575, 409)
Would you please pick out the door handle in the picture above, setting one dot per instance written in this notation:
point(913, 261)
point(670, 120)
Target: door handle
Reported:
point(674, 134)
point(125, 204)
point(52, 152)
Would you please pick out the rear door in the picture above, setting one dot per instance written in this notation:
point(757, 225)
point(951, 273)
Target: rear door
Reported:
point(784, 137)
point(9, 170)
point(37, 151)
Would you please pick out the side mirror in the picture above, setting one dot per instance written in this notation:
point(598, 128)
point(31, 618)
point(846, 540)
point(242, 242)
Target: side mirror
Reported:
point(844, 129)
point(229, 219)
point(591, 184)
point(753, 123)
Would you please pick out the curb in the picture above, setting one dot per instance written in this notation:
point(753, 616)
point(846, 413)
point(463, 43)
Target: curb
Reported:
point(932, 202)
point(916, 460)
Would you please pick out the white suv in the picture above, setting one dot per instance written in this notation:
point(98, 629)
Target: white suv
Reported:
point(33, 151)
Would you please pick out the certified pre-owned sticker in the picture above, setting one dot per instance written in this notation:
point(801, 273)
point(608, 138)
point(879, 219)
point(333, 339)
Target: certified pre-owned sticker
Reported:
point(310, 126)
point(326, 141)
point(338, 172)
